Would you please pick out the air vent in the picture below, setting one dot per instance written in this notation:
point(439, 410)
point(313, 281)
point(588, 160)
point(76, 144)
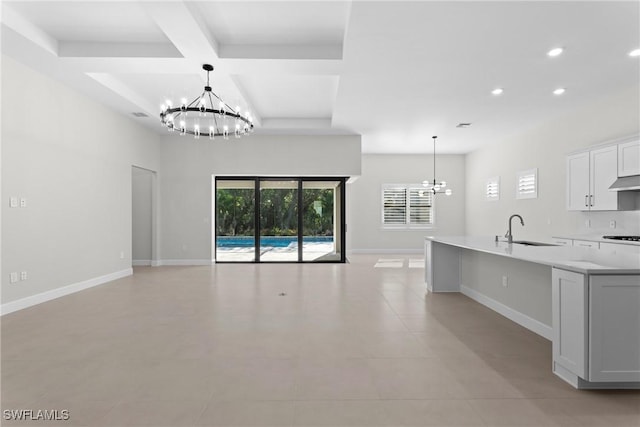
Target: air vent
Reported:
point(139, 114)
point(463, 125)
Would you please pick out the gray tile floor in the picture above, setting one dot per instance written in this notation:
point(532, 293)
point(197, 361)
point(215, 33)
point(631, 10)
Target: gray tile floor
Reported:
point(348, 345)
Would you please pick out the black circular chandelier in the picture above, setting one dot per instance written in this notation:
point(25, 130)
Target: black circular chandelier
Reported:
point(207, 115)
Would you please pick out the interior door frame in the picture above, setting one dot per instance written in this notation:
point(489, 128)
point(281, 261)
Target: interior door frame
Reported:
point(300, 180)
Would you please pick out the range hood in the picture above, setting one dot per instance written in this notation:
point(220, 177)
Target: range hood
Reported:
point(626, 183)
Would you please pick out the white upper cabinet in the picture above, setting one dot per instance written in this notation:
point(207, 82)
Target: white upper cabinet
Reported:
point(578, 182)
point(629, 158)
point(603, 173)
point(589, 176)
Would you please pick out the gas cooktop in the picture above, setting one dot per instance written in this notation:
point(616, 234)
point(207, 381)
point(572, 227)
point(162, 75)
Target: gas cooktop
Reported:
point(627, 238)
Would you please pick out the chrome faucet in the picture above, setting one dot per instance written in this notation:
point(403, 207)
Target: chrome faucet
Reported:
point(509, 236)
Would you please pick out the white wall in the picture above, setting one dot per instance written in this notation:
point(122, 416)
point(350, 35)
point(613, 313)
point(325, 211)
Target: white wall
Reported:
point(142, 213)
point(364, 223)
point(71, 159)
point(545, 148)
point(188, 165)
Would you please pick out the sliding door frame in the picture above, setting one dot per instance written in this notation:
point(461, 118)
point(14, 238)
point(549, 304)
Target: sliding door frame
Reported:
point(300, 180)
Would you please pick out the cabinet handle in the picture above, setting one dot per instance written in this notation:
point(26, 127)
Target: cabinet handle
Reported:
point(591, 200)
point(586, 201)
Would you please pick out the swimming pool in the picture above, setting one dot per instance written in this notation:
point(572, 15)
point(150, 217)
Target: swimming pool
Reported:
point(274, 241)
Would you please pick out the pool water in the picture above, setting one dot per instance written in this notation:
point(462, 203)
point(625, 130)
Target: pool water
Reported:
point(274, 241)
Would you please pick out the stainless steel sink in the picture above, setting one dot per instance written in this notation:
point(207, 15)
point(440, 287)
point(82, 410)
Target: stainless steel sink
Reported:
point(530, 243)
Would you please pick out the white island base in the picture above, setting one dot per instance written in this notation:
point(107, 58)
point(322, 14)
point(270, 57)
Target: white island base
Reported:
point(585, 301)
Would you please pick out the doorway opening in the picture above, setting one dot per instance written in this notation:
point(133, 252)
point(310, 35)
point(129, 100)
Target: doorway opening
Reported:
point(279, 219)
point(143, 217)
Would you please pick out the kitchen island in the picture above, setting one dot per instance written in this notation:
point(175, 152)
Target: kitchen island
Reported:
point(586, 301)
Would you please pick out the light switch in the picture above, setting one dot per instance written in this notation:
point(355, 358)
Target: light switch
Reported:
point(13, 202)
point(23, 202)
point(13, 277)
point(23, 275)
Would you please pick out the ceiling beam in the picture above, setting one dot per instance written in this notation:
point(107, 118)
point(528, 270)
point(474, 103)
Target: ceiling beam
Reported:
point(22, 26)
point(120, 88)
point(117, 50)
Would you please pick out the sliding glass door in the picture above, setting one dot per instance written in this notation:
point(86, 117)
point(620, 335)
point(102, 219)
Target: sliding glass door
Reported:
point(260, 219)
point(235, 220)
point(278, 220)
point(321, 220)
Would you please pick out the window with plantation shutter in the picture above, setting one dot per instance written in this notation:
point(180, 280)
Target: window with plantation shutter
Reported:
point(527, 184)
point(492, 189)
point(406, 206)
point(394, 206)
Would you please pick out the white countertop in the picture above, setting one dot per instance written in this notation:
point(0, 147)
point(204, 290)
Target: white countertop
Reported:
point(597, 238)
point(579, 259)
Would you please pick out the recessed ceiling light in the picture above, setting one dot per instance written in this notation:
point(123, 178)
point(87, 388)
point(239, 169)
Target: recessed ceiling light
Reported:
point(555, 51)
point(497, 91)
point(559, 91)
point(634, 53)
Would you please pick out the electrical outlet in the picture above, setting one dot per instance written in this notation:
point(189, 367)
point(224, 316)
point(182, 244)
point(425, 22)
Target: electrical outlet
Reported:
point(505, 281)
point(13, 277)
point(23, 202)
point(23, 275)
point(612, 224)
point(13, 202)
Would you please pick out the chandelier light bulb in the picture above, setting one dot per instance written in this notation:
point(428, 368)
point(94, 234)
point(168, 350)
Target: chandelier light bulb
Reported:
point(168, 102)
point(443, 184)
point(555, 52)
point(436, 187)
point(225, 132)
point(211, 132)
point(448, 192)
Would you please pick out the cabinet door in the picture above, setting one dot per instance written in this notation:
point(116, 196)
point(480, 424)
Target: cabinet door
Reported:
point(578, 182)
point(620, 248)
point(629, 158)
point(614, 325)
point(569, 314)
point(604, 172)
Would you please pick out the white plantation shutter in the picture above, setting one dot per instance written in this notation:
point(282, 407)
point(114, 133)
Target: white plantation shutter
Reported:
point(406, 206)
point(527, 184)
point(492, 189)
point(420, 206)
point(394, 206)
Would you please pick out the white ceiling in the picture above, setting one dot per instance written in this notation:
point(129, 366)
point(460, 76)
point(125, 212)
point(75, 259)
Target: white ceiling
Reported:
point(394, 72)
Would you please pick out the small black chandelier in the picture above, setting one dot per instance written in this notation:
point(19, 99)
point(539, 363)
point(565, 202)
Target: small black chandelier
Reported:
point(436, 187)
point(203, 117)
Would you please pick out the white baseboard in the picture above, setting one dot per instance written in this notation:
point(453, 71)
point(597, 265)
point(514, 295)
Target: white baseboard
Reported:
point(141, 262)
point(161, 262)
point(511, 314)
point(32, 300)
point(386, 251)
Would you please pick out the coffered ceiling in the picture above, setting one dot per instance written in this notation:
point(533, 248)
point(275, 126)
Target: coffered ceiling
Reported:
point(394, 72)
